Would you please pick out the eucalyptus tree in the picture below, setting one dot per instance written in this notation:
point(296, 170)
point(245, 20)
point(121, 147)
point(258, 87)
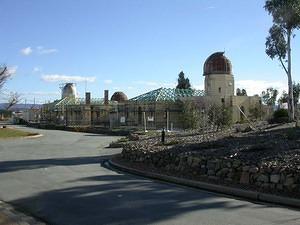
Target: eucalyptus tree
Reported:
point(269, 96)
point(286, 19)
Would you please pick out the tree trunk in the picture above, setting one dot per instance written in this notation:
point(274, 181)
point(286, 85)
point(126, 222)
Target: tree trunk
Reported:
point(290, 81)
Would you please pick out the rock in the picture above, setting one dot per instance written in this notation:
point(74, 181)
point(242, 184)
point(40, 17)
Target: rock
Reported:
point(190, 160)
point(275, 178)
point(230, 175)
point(246, 168)
point(236, 163)
point(211, 165)
point(228, 164)
point(265, 186)
point(245, 178)
point(222, 172)
point(202, 170)
point(253, 169)
point(213, 178)
point(229, 180)
point(289, 181)
point(279, 186)
point(133, 137)
point(210, 172)
point(196, 162)
point(247, 129)
point(263, 178)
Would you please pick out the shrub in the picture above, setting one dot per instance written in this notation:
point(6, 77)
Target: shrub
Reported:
point(280, 116)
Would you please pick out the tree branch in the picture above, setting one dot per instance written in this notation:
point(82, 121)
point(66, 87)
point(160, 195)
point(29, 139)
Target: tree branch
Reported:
point(280, 59)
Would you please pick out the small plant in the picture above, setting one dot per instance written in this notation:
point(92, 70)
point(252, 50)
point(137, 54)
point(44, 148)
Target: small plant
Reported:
point(124, 139)
point(173, 142)
point(280, 116)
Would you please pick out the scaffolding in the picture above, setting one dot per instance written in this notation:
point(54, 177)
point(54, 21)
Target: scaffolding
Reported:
point(168, 95)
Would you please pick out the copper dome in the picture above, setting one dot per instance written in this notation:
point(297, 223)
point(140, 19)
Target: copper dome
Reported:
point(119, 97)
point(217, 63)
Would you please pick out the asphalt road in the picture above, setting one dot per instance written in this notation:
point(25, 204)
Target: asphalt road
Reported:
point(59, 178)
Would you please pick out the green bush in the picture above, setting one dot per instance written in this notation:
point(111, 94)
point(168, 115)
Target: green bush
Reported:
point(280, 116)
point(292, 134)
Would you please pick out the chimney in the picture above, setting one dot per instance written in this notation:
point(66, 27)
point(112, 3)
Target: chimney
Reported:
point(106, 97)
point(87, 98)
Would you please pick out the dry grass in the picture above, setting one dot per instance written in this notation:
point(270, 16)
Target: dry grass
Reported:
point(13, 133)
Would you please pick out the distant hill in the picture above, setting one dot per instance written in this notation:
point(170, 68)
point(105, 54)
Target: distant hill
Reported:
point(20, 107)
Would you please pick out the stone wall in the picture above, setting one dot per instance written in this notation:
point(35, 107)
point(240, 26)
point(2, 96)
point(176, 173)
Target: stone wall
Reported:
point(262, 176)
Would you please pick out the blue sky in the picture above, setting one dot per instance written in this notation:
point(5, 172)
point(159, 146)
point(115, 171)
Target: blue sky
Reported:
point(133, 45)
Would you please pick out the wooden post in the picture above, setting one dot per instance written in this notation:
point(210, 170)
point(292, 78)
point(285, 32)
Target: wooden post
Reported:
point(168, 121)
point(145, 122)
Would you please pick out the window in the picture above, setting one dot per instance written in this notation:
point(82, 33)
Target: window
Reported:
point(220, 89)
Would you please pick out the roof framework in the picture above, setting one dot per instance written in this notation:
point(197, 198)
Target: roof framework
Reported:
point(58, 104)
point(167, 95)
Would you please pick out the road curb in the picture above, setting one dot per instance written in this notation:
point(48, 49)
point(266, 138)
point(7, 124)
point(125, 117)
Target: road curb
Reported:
point(33, 136)
point(251, 195)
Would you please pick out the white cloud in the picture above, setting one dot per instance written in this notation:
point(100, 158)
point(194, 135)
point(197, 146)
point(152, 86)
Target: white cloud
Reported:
point(130, 88)
point(26, 51)
point(198, 86)
point(39, 50)
point(37, 69)
point(108, 81)
point(67, 78)
point(42, 50)
point(257, 86)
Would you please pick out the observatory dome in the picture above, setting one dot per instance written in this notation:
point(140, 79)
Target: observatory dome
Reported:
point(217, 63)
point(119, 97)
point(69, 90)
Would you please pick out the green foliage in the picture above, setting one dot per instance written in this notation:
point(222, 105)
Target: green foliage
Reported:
point(280, 116)
point(283, 98)
point(276, 45)
point(5, 113)
point(292, 133)
point(296, 92)
point(269, 96)
point(256, 112)
point(240, 92)
point(123, 139)
point(285, 13)
point(286, 18)
point(280, 113)
point(190, 115)
point(183, 83)
point(244, 92)
point(220, 116)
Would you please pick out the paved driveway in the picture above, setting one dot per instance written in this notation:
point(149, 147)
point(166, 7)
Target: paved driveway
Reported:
point(59, 178)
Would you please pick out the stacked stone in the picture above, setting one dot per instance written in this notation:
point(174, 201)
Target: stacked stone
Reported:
point(266, 176)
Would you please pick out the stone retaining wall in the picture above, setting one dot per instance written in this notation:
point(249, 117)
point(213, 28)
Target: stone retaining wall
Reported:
point(264, 176)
